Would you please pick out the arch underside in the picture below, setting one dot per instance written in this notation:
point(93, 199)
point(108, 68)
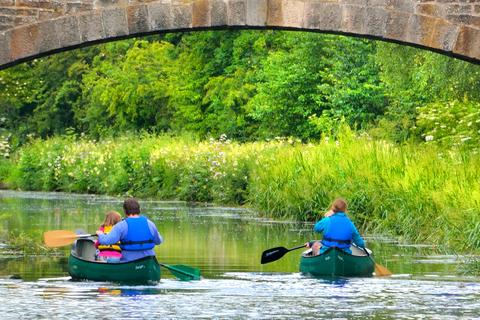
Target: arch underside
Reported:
point(388, 22)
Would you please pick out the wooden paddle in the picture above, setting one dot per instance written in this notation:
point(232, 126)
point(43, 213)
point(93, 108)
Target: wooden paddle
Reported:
point(61, 238)
point(380, 270)
point(274, 254)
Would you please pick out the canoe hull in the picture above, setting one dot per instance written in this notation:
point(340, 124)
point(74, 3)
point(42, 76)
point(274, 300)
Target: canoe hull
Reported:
point(335, 262)
point(142, 271)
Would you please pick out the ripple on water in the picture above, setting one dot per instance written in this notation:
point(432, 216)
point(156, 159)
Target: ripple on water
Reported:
point(243, 295)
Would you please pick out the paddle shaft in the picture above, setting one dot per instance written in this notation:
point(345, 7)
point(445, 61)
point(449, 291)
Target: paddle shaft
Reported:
point(194, 273)
point(379, 269)
point(297, 247)
point(60, 238)
point(274, 254)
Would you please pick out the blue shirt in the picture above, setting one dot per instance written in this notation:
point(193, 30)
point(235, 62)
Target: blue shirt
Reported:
point(119, 232)
point(323, 225)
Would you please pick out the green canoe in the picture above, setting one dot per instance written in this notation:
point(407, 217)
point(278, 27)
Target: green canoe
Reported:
point(82, 266)
point(335, 262)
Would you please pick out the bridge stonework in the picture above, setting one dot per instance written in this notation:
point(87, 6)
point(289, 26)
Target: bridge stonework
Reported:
point(33, 28)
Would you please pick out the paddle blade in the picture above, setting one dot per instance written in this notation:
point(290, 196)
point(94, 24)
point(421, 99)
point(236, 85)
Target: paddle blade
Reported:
point(273, 254)
point(59, 238)
point(182, 272)
point(381, 270)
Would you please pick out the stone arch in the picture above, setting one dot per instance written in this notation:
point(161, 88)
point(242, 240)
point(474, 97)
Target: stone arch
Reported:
point(34, 28)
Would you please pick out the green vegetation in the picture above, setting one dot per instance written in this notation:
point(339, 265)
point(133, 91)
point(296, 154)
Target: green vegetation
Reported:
point(393, 129)
point(418, 192)
point(249, 85)
point(24, 244)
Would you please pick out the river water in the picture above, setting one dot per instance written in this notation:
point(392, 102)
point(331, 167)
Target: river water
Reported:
point(226, 244)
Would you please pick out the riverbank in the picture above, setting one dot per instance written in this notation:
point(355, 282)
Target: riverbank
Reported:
point(420, 193)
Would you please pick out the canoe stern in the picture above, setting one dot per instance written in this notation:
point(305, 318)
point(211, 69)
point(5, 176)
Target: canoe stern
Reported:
point(142, 271)
point(335, 262)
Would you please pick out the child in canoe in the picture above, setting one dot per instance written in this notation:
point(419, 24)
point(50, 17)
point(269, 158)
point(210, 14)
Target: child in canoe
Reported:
point(338, 230)
point(109, 253)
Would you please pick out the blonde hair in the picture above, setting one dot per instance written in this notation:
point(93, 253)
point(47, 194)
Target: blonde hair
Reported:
point(339, 205)
point(112, 218)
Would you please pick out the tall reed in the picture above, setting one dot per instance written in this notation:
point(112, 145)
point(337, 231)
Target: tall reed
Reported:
point(422, 193)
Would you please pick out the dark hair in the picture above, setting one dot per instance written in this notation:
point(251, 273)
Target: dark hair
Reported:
point(131, 206)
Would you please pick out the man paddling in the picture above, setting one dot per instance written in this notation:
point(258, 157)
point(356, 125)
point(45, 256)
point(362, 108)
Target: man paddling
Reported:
point(137, 234)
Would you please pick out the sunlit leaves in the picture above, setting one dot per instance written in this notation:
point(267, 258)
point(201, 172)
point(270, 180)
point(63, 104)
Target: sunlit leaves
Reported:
point(452, 123)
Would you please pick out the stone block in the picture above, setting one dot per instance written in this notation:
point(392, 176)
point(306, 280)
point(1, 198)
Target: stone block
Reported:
point(47, 36)
point(353, 19)
point(19, 21)
point(350, 2)
point(24, 42)
point(4, 48)
point(465, 19)
point(397, 25)
point(256, 12)
point(376, 22)
point(68, 31)
point(6, 11)
point(101, 4)
point(91, 27)
point(218, 13)
point(430, 9)
point(400, 5)
point(444, 35)
point(8, 20)
point(287, 13)
point(201, 13)
point(293, 13)
point(274, 13)
point(468, 43)
point(458, 9)
point(7, 3)
point(237, 12)
point(323, 16)
point(377, 3)
point(115, 22)
point(182, 16)
point(77, 7)
point(420, 30)
point(56, 5)
point(160, 17)
point(137, 19)
point(48, 15)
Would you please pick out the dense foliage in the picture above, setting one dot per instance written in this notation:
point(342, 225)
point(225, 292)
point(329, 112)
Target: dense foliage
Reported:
point(393, 129)
point(248, 85)
point(419, 193)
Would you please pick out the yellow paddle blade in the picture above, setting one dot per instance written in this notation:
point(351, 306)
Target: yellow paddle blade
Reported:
point(59, 238)
point(381, 270)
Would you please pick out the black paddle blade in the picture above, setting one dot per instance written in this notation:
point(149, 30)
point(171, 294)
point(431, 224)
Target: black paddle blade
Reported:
point(273, 254)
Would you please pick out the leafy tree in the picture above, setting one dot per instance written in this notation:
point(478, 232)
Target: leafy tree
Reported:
point(129, 91)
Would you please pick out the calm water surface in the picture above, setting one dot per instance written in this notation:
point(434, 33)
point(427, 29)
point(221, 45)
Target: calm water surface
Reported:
point(226, 244)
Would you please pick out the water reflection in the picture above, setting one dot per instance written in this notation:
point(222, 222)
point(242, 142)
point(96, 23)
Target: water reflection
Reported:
point(226, 245)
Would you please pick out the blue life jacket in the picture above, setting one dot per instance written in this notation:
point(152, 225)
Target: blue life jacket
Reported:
point(138, 236)
point(339, 233)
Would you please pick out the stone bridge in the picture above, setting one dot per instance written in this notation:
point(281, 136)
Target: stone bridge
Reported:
point(34, 28)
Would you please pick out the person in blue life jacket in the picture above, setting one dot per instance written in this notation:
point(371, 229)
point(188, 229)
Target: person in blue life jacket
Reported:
point(338, 230)
point(137, 234)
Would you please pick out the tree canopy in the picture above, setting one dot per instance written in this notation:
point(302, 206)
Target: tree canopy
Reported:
point(246, 84)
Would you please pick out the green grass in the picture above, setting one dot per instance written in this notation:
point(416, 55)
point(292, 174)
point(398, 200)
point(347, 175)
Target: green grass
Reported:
point(422, 193)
